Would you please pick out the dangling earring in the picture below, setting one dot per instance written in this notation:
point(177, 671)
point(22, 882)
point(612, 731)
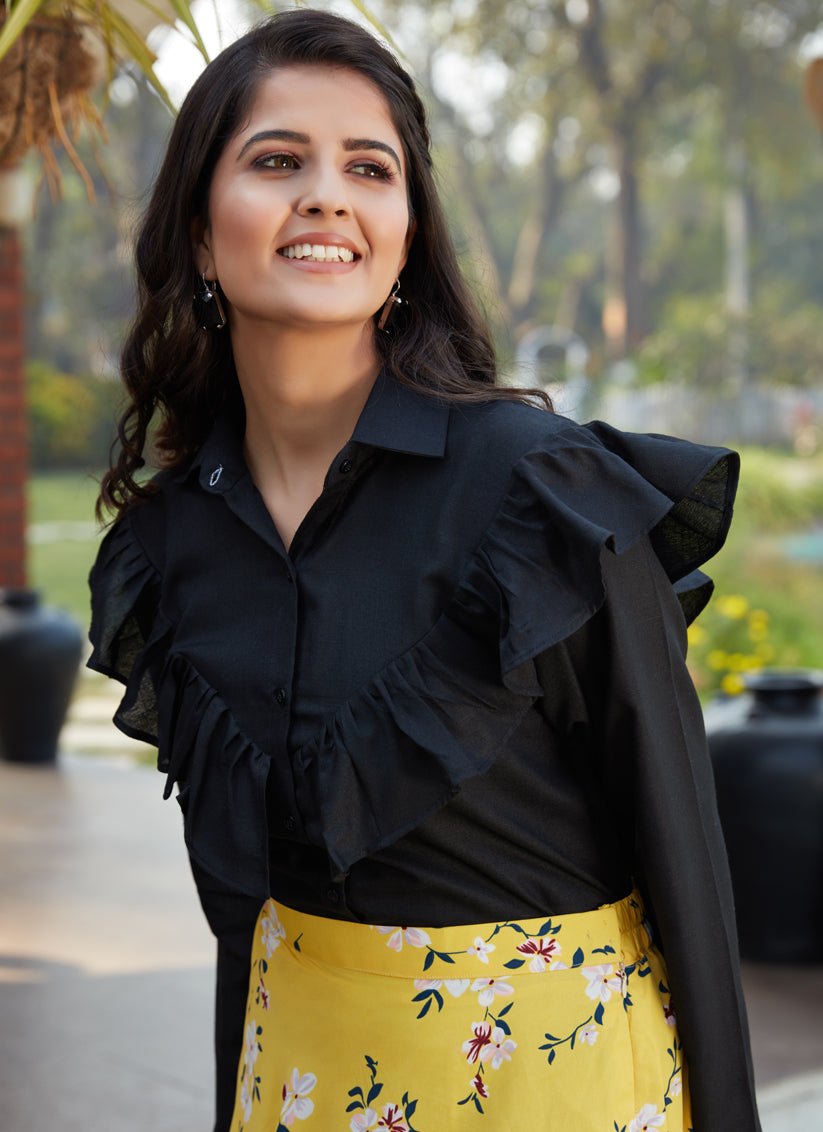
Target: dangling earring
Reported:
point(388, 306)
point(209, 309)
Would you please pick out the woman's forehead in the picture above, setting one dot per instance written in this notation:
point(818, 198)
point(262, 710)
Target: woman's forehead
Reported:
point(315, 98)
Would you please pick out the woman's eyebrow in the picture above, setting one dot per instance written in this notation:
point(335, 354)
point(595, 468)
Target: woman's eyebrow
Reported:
point(370, 143)
point(275, 135)
point(349, 144)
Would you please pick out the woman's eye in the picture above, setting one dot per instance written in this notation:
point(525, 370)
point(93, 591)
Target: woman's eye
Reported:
point(277, 161)
point(373, 169)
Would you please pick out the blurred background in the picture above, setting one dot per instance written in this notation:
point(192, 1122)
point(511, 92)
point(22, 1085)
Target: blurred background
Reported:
point(636, 190)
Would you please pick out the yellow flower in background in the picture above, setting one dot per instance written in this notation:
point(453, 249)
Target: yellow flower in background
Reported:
point(696, 634)
point(732, 639)
point(758, 625)
point(733, 684)
point(733, 606)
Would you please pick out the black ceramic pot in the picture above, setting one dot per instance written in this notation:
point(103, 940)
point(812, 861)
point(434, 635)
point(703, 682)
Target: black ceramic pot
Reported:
point(40, 650)
point(767, 751)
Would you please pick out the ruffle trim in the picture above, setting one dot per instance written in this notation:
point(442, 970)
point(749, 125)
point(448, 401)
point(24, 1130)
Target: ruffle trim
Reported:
point(395, 752)
point(400, 747)
point(222, 777)
point(129, 634)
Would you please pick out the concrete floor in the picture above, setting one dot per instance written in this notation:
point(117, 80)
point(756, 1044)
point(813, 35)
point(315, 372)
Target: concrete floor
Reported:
point(106, 964)
point(105, 959)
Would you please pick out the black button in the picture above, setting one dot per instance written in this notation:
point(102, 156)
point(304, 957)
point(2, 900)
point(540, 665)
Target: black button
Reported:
point(346, 466)
point(290, 824)
point(333, 896)
point(280, 696)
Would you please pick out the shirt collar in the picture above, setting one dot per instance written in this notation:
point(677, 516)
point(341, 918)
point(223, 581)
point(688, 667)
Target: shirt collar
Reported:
point(396, 417)
point(403, 419)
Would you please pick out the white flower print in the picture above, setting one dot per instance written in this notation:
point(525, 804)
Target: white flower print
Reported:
point(473, 1047)
point(602, 981)
point(263, 994)
point(481, 949)
point(456, 987)
point(245, 1098)
point(647, 1118)
point(676, 1087)
point(414, 937)
point(296, 1102)
point(364, 1121)
point(427, 984)
point(541, 950)
point(251, 1049)
point(498, 1049)
point(588, 1035)
point(273, 931)
point(479, 1086)
point(488, 988)
point(392, 1119)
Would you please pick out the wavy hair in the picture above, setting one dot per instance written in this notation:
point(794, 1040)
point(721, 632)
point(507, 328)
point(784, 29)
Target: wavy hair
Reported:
point(178, 377)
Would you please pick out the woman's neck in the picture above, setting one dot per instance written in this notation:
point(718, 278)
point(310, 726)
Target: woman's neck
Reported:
point(303, 394)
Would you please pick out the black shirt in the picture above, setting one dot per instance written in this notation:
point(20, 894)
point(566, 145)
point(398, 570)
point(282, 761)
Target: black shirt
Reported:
point(461, 696)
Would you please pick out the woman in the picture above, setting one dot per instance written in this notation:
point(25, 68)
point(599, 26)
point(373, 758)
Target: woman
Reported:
point(409, 645)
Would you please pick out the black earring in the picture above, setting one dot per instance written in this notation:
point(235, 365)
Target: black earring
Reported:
point(389, 305)
point(208, 306)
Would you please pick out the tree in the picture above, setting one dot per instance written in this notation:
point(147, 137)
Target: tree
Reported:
point(51, 54)
point(660, 132)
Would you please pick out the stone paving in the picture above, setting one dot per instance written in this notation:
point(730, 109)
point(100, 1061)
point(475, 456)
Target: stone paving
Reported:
point(106, 962)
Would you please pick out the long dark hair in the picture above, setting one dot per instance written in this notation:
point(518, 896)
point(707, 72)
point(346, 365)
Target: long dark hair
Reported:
point(178, 377)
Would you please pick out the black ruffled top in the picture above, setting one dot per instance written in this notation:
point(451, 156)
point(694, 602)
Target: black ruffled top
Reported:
point(460, 695)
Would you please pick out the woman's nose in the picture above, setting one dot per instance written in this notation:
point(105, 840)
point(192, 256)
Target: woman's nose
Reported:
point(324, 193)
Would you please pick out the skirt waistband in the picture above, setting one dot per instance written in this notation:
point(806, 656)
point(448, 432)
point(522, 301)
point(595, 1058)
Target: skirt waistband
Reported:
point(613, 933)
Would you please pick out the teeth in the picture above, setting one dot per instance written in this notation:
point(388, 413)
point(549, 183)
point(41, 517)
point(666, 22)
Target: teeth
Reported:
point(318, 253)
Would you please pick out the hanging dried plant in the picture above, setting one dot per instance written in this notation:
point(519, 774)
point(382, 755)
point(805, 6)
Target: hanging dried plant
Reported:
point(52, 53)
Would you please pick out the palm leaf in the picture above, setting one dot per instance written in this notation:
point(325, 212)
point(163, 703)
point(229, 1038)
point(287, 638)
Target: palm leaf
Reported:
point(17, 17)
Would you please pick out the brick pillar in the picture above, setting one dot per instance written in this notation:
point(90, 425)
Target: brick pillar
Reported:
point(14, 455)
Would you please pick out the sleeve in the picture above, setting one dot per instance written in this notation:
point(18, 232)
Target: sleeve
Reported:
point(648, 746)
point(127, 628)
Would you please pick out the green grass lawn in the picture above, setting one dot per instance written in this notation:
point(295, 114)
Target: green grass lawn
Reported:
point(63, 539)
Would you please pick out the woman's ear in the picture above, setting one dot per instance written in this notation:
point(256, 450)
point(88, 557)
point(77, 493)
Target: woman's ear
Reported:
point(407, 244)
point(201, 248)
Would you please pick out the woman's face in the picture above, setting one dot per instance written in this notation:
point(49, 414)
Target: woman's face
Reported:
point(308, 220)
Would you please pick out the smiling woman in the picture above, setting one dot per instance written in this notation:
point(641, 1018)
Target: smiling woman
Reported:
point(309, 236)
point(409, 646)
point(316, 166)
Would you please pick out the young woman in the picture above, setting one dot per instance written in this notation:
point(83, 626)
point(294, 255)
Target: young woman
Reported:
point(410, 645)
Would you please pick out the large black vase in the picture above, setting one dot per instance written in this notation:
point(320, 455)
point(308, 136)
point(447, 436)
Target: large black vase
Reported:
point(40, 650)
point(767, 751)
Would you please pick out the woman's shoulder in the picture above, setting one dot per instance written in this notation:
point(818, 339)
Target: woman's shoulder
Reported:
point(508, 421)
point(488, 440)
point(536, 438)
point(575, 490)
point(137, 534)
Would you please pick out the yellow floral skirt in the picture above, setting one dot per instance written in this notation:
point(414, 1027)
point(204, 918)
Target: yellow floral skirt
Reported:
point(548, 1024)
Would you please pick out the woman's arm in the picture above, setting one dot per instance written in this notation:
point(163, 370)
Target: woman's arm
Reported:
point(645, 737)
